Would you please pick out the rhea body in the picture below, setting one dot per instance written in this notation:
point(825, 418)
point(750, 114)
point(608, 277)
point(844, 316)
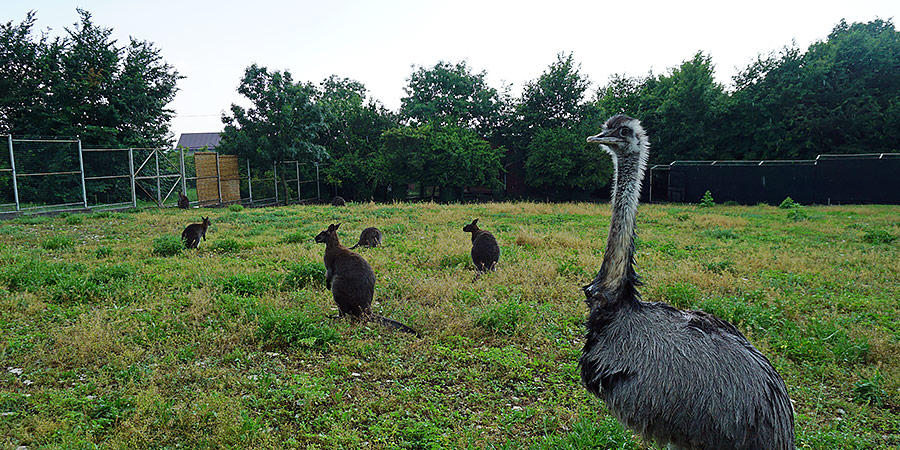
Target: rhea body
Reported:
point(485, 251)
point(370, 237)
point(194, 232)
point(351, 280)
point(681, 378)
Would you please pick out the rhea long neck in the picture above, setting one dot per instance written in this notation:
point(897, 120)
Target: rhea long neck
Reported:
point(617, 272)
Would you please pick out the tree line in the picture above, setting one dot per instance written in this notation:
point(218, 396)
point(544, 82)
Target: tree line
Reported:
point(453, 130)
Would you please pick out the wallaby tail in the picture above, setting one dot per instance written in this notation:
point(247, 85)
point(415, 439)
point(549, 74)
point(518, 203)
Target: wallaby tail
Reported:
point(393, 324)
point(357, 245)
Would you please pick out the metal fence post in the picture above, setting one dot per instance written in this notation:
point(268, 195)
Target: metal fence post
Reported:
point(275, 171)
point(249, 182)
point(297, 166)
point(81, 169)
point(131, 174)
point(12, 163)
point(318, 191)
point(183, 175)
point(158, 187)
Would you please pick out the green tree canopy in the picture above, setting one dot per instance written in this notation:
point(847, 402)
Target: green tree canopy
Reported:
point(451, 94)
point(84, 84)
point(283, 124)
point(353, 136)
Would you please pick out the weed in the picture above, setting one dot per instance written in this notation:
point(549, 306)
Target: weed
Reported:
point(168, 245)
point(301, 275)
point(869, 391)
point(797, 213)
point(246, 284)
point(102, 252)
point(788, 203)
point(504, 318)
point(707, 200)
point(76, 219)
point(296, 238)
point(58, 242)
point(719, 233)
point(878, 237)
point(282, 329)
point(235, 208)
point(719, 266)
point(226, 245)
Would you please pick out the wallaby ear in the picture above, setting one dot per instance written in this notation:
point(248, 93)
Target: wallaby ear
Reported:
point(332, 227)
point(475, 222)
point(337, 226)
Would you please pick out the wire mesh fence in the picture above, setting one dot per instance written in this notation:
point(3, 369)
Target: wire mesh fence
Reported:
point(58, 174)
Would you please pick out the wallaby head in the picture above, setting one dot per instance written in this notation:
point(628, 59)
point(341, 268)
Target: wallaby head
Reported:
point(205, 223)
point(328, 235)
point(472, 227)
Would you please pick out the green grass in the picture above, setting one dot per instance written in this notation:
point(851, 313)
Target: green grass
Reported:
point(113, 336)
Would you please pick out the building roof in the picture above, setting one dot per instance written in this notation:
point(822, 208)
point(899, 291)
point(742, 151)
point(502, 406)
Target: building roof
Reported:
point(196, 141)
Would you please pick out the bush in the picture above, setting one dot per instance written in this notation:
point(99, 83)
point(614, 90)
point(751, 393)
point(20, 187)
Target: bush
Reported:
point(301, 275)
point(76, 219)
point(869, 391)
point(168, 245)
point(501, 319)
point(235, 208)
point(797, 213)
point(707, 200)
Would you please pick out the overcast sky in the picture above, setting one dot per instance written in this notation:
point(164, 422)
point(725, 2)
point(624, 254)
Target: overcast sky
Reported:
point(378, 42)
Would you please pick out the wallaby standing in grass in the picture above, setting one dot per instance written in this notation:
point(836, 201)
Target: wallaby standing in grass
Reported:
point(485, 251)
point(194, 232)
point(183, 201)
point(338, 201)
point(351, 280)
point(370, 237)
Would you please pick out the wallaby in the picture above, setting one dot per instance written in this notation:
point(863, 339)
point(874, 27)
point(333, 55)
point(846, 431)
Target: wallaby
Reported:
point(338, 201)
point(485, 251)
point(370, 237)
point(183, 201)
point(351, 280)
point(194, 232)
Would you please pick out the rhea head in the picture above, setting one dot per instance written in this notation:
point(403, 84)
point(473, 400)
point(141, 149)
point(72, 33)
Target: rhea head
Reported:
point(621, 136)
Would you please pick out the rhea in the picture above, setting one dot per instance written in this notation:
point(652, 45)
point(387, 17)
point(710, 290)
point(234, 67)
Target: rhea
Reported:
point(681, 378)
point(351, 280)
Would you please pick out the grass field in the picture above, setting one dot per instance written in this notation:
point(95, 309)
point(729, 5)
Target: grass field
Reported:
point(111, 336)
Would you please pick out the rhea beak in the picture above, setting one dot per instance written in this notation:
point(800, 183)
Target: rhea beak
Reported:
point(602, 139)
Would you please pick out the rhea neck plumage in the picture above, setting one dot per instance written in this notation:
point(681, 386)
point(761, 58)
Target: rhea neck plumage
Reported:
point(616, 280)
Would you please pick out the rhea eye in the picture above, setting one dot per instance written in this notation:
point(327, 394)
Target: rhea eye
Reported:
point(625, 132)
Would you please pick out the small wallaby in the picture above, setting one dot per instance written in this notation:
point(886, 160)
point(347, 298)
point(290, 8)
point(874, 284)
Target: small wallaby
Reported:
point(370, 237)
point(351, 280)
point(485, 251)
point(194, 232)
point(338, 201)
point(183, 201)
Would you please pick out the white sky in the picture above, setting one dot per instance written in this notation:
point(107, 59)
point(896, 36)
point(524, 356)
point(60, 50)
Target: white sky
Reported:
point(377, 42)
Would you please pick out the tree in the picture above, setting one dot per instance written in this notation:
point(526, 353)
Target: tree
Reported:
point(353, 135)
point(283, 124)
point(84, 85)
point(451, 95)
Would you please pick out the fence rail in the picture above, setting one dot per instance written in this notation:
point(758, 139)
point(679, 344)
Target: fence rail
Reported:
point(141, 167)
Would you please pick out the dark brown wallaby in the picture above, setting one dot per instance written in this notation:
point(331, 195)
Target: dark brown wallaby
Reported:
point(351, 280)
point(370, 237)
point(338, 201)
point(194, 232)
point(183, 201)
point(485, 251)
